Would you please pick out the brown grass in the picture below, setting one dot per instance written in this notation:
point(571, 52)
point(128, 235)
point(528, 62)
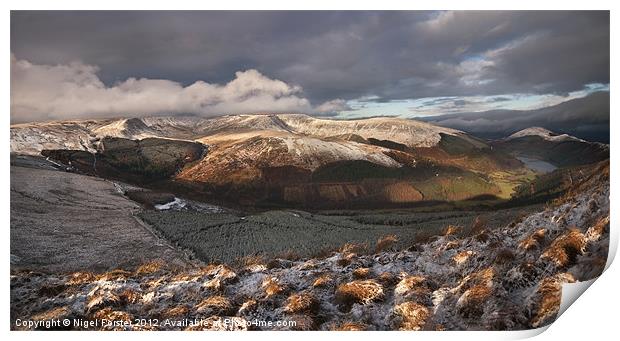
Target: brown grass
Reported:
point(176, 312)
point(322, 281)
point(248, 305)
point(351, 327)
point(356, 248)
point(149, 268)
point(411, 315)
point(463, 256)
point(549, 295)
point(53, 314)
point(214, 305)
point(534, 240)
point(361, 273)
point(471, 303)
point(114, 275)
point(481, 277)
point(563, 250)
point(504, 256)
point(251, 261)
point(387, 278)
point(79, 278)
point(451, 245)
point(482, 237)
point(272, 287)
point(411, 285)
point(386, 243)
point(451, 230)
point(214, 284)
point(359, 291)
point(346, 258)
point(302, 302)
point(99, 299)
point(112, 315)
point(129, 296)
point(597, 230)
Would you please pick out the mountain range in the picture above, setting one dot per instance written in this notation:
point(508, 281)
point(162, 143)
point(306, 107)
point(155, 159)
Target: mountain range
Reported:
point(586, 118)
point(296, 160)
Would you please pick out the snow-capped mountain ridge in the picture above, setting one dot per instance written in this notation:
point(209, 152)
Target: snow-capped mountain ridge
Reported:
point(544, 133)
point(31, 138)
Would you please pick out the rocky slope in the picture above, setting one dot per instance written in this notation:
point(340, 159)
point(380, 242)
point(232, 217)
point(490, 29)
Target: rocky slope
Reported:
point(490, 279)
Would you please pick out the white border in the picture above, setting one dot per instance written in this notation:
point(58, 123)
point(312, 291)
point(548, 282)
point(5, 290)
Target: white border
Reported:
point(593, 316)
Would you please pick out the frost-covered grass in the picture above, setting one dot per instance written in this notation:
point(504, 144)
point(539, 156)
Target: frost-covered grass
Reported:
point(490, 278)
point(227, 237)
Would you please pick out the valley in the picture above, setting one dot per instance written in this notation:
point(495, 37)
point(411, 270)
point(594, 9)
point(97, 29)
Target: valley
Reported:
point(256, 209)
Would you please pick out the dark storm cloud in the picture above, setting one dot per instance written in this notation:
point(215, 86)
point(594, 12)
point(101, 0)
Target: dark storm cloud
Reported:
point(393, 55)
point(586, 117)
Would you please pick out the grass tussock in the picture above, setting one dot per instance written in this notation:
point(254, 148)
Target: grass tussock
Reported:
point(387, 278)
point(272, 287)
point(346, 258)
point(250, 262)
point(504, 256)
point(471, 303)
point(451, 230)
point(112, 315)
point(563, 250)
point(149, 268)
point(596, 231)
point(463, 256)
point(534, 240)
point(302, 302)
point(322, 281)
point(549, 294)
point(98, 299)
point(214, 305)
point(248, 305)
point(359, 291)
point(411, 285)
point(176, 312)
point(411, 316)
point(386, 243)
point(129, 296)
point(79, 278)
point(350, 327)
point(361, 273)
point(356, 248)
point(114, 275)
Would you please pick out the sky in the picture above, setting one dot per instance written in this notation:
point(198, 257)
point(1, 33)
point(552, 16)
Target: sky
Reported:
point(67, 65)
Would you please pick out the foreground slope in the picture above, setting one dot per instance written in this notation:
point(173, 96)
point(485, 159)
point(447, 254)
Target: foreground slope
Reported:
point(490, 279)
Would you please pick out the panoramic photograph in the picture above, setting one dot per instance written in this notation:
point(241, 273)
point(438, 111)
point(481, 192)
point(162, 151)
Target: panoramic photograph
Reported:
point(305, 170)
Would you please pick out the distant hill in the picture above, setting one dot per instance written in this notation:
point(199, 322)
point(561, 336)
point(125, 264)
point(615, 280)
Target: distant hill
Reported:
point(586, 118)
point(561, 150)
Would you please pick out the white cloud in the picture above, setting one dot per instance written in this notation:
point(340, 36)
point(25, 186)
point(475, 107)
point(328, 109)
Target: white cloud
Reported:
point(48, 92)
point(333, 107)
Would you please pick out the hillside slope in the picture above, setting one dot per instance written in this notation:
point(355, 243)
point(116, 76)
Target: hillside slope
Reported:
point(506, 278)
point(561, 150)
